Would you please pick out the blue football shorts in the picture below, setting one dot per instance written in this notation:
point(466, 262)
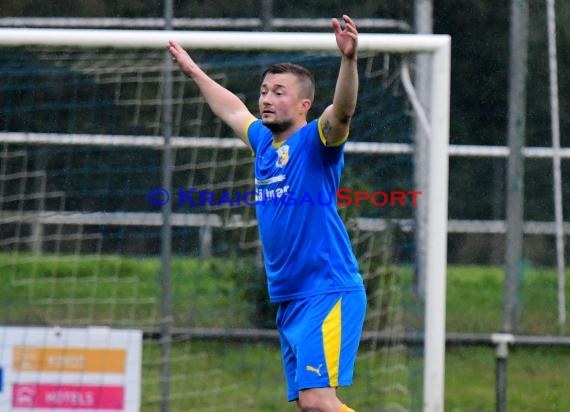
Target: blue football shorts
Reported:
point(319, 339)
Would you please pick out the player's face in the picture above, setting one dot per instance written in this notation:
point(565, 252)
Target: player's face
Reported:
point(280, 104)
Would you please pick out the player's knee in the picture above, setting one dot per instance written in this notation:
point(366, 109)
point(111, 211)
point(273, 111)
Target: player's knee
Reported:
point(311, 401)
point(312, 405)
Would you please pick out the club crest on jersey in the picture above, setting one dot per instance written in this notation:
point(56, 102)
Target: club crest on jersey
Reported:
point(282, 156)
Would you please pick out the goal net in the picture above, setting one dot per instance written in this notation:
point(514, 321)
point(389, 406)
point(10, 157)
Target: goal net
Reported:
point(82, 124)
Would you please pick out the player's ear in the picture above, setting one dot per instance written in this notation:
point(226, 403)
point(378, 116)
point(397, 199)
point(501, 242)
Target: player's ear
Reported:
point(306, 105)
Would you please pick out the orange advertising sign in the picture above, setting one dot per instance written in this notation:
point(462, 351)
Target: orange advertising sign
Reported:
point(54, 359)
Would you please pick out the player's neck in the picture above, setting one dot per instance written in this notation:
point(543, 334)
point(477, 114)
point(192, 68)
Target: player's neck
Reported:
point(280, 137)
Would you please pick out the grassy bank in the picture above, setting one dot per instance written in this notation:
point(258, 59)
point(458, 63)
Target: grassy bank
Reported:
point(125, 292)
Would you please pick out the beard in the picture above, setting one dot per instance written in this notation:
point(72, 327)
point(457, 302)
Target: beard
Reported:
point(278, 127)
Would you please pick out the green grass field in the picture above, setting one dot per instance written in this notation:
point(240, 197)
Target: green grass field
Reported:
point(124, 292)
point(536, 377)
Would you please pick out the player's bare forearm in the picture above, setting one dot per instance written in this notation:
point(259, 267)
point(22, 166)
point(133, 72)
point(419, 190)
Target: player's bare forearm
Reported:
point(225, 104)
point(336, 118)
point(346, 90)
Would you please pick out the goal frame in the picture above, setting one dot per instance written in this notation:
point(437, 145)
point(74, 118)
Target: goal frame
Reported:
point(438, 46)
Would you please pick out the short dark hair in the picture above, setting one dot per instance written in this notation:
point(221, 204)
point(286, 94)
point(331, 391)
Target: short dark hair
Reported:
point(303, 75)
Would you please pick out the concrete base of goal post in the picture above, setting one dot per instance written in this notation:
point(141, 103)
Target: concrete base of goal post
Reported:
point(501, 340)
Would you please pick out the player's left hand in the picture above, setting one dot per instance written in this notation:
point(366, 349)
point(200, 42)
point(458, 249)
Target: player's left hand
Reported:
point(347, 37)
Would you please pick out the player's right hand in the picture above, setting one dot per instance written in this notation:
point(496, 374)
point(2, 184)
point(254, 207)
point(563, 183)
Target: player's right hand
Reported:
point(180, 56)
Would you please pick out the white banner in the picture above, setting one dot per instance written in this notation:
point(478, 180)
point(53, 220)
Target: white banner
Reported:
point(70, 369)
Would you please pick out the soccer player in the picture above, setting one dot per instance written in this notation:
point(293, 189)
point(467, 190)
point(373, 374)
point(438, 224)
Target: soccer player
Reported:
point(311, 269)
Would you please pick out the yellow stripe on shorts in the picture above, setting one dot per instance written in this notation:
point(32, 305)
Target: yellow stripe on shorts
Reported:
point(331, 339)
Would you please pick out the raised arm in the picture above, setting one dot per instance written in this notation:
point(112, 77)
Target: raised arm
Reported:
point(335, 120)
point(226, 105)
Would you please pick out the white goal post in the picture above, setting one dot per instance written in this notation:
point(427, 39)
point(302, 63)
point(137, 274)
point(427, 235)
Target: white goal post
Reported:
point(439, 46)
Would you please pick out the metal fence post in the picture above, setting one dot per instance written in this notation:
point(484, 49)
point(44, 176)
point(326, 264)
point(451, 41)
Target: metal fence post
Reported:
point(501, 340)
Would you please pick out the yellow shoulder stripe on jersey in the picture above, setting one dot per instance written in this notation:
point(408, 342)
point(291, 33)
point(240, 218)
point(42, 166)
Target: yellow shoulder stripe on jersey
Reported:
point(324, 138)
point(246, 134)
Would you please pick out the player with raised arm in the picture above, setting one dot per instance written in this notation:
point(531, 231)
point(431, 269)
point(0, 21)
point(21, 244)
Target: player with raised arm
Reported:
point(312, 272)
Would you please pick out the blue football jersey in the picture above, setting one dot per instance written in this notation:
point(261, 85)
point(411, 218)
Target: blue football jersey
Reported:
point(306, 247)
